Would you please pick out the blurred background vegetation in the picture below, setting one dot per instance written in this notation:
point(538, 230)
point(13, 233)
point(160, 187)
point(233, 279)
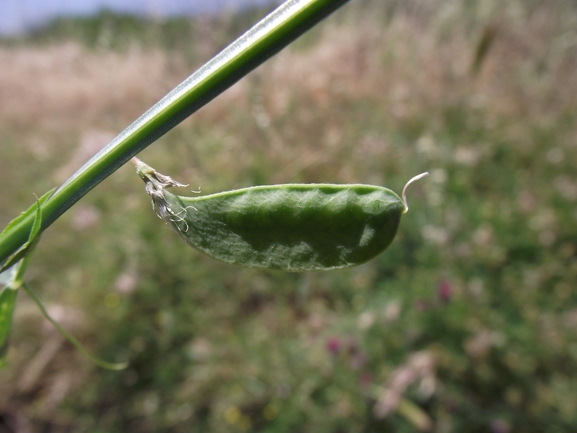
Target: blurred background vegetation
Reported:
point(468, 323)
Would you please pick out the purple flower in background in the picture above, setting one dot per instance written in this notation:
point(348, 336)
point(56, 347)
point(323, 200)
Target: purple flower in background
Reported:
point(445, 291)
point(334, 345)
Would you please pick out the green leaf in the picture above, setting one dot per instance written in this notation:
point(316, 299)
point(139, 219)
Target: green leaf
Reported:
point(32, 209)
point(34, 231)
point(10, 281)
point(7, 304)
point(37, 226)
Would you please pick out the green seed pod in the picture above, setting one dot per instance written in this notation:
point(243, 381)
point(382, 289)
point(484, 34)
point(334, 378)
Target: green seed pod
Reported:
point(294, 227)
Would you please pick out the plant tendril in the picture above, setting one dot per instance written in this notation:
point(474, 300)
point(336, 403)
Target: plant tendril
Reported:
point(404, 195)
point(69, 337)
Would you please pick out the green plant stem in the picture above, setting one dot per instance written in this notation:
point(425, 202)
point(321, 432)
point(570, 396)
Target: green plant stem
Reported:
point(261, 42)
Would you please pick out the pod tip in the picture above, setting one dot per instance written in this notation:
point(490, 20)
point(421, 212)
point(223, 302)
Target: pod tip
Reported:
point(404, 195)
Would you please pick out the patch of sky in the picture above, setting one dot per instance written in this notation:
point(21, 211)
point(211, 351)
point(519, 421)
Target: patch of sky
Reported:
point(20, 16)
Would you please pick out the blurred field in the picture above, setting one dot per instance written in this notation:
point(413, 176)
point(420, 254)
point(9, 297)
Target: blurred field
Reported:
point(468, 323)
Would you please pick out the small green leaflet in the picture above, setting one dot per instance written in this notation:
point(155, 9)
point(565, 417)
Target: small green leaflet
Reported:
point(36, 209)
point(7, 304)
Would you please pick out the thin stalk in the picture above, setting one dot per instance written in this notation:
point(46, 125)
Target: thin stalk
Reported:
point(70, 337)
point(261, 42)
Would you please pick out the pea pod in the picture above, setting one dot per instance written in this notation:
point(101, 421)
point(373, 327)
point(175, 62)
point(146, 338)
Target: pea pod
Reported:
point(293, 227)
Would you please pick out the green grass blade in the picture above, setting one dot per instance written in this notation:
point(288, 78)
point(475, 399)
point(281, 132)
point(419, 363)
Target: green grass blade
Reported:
point(7, 304)
point(12, 278)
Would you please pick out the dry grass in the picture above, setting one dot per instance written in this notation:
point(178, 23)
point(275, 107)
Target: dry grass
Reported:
point(67, 86)
point(413, 66)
